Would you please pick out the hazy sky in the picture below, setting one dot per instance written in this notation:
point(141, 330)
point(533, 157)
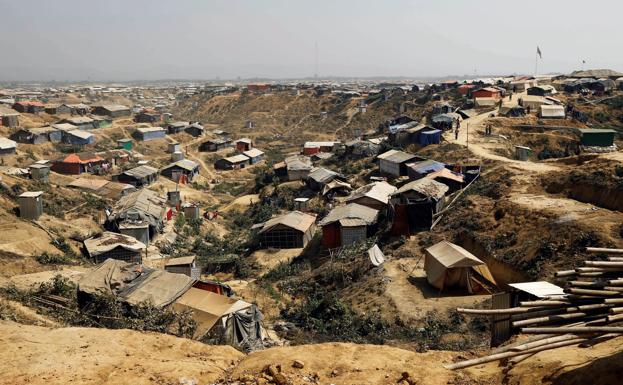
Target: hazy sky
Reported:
point(205, 39)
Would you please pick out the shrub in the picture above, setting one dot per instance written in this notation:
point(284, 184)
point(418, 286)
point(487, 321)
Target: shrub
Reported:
point(52, 259)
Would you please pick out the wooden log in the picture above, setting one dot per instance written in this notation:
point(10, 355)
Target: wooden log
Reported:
point(613, 288)
point(499, 356)
point(604, 264)
point(517, 359)
point(547, 319)
point(590, 292)
point(618, 259)
point(573, 330)
point(603, 250)
point(615, 282)
point(539, 313)
point(616, 310)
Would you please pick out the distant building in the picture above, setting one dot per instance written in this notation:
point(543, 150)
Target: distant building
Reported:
point(195, 129)
point(148, 117)
point(345, 225)
point(393, 162)
point(375, 195)
point(80, 122)
point(37, 135)
point(125, 143)
point(176, 127)
point(183, 168)
point(28, 106)
point(78, 137)
point(311, 148)
point(139, 214)
point(232, 163)
point(254, 155)
point(31, 205)
point(592, 137)
point(487, 92)
point(292, 230)
point(146, 134)
point(7, 146)
point(83, 162)
point(113, 110)
point(139, 176)
point(183, 265)
point(244, 144)
point(40, 172)
point(215, 144)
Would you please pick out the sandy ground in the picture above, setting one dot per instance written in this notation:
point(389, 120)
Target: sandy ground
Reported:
point(28, 281)
point(29, 356)
point(22, 238)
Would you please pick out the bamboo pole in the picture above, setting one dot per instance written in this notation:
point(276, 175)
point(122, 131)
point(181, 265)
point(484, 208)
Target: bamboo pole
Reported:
point(615, 318)
point(499, 356)
point(544, 303)
point(587, 284)
point(551, 318)
point(565, 273)
point(604, 264)
point(589, 292)
point(615, 282)
point(513, 310)
point(616, 310)
point(600, 269)
point(574, 330)
point(613, 300)
point(603, 250)
point(597, 340)
point(618, 259)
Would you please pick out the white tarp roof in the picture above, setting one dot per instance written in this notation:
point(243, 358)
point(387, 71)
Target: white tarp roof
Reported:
point(540, 289)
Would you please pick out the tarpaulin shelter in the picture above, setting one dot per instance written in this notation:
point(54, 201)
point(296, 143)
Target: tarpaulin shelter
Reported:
point(219, 318)
point(429, 137)
point(449, 265)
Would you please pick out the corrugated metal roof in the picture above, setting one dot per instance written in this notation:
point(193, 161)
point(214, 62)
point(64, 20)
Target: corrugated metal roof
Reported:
point(144, 130)
point(426, 187)
point(186, 164)
point(322, 175)
point(298, 162)
point(396, 156)
point(141, 171)
point(236, 158)
point(7, 143)
point(254, 152)
point(351, 211)
point(80, 134)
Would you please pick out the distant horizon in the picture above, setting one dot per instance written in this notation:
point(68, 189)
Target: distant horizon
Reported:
point(143, 40)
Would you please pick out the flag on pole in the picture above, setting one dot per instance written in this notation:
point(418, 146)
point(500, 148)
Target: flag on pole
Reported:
point(538, 52)
point(583, 61)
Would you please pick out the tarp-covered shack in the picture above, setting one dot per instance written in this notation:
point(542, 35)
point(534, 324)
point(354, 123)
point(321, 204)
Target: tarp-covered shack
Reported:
point(450, 266)
point(220, 319)
point(115, 246)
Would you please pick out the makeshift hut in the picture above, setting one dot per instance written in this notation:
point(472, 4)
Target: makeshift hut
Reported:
point(415, 204)
point(149, 133)
point(450, 266)
point(7, 146)
point(78, 163)
point(393, 162)
point(183, 265)
point(31, 205)
point(139, 214)
point(232, 162)
point(292, 230)
point(215, 144)
point(348, 224)
point(140, 176)
point(184, 168)
point(375, 195)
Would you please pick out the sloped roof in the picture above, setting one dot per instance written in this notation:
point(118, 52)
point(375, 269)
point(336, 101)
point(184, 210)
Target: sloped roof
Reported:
point(81, 157)
point(451, 255)
point(145, 201)
point(426, 187)
point(380, 191)
point(7, 143)
point(426, 166)
point(366, 214)
point(88, 183)
point(298, 162)
point(447, 174)
point(114, 107)
point(145, 130)
point(180, 261)
point(254, 152)
point(78, 120)
point(236, 158)
point(540, 289)
point(64, 126)
point(322, 175)
point(109, 241)
point(141, 171)
point(295, 219)
point(186, 164)
point(396, 156)
point(80, 134)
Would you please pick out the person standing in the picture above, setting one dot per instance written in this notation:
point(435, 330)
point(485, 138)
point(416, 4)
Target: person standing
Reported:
point(456, 134)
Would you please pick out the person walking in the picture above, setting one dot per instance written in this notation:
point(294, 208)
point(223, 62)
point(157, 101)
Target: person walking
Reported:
point(456, 134)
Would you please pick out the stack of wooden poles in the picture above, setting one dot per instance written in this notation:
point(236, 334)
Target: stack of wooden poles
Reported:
point(591, 312)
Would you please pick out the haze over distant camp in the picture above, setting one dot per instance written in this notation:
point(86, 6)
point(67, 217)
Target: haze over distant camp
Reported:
point(192, 39)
